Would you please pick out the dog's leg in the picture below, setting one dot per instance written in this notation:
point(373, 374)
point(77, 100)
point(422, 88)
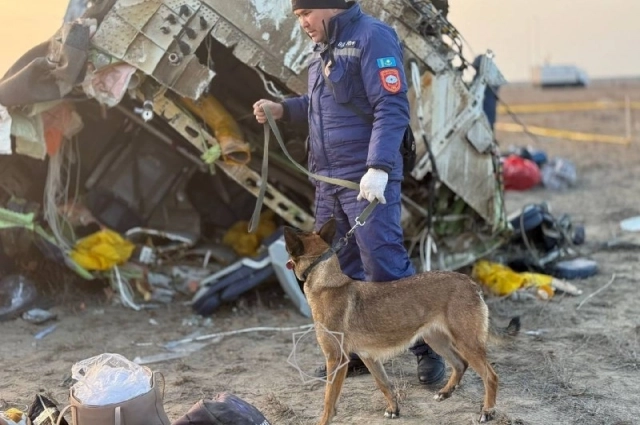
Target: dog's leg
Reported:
point(382, 381)
point(441, 344)
point(477, 358)
point(335, 379)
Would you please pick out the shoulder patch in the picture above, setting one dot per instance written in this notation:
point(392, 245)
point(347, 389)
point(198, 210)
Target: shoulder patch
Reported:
point(390, 79)
point(389, 62)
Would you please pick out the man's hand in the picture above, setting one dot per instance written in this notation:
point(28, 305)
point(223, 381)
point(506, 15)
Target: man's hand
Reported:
point(372, 185)
point(276, 110)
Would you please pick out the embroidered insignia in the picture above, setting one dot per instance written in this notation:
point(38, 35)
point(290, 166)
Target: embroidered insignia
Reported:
point(343, 44)
point(390, 79)
point(389, 62)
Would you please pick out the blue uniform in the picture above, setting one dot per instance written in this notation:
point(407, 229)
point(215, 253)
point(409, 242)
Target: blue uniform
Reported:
point(363, 62)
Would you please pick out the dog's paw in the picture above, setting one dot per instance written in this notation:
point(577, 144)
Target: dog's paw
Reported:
point(441, 396)
point(391, 414)
point(486, 416)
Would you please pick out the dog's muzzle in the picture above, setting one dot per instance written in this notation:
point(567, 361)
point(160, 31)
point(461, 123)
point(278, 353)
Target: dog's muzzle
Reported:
point(290, 265)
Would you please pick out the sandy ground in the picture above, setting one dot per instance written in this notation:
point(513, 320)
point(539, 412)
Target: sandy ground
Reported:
point(582, 368)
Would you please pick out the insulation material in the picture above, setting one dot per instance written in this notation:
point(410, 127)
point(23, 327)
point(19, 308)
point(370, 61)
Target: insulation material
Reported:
point(108, 85)
point(29, 133)
point(60, 122)
point(225, 128)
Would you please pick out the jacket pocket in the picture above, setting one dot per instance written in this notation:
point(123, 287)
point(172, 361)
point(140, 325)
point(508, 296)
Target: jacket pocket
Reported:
point(340, 84)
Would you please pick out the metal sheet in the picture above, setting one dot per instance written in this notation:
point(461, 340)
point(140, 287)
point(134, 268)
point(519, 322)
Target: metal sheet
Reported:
point(160, 40)
point(114, 35)
point(159, 30)
point(137, 15)
point(144, 54)
point(265, 34)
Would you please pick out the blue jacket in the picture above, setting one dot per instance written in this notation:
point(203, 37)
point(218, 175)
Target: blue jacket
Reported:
point(366, 68)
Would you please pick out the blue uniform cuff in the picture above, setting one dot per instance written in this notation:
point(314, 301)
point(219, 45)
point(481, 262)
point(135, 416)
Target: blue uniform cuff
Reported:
point(381, 167)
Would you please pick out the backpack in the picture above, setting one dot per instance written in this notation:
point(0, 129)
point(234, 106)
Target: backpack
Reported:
point(224, 409)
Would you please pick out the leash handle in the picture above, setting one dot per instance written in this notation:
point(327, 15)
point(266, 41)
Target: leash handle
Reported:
point(362, 218)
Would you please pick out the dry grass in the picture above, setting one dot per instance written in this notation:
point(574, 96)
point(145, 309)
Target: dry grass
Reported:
point(280, 412)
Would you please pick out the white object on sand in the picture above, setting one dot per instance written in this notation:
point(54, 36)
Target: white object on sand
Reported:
point(631, 224)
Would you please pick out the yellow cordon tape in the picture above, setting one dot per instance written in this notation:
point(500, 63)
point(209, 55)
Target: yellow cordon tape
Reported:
point(562, 134)
point(541, 108)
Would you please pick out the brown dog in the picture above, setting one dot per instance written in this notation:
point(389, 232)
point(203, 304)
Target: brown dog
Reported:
point(380, 320)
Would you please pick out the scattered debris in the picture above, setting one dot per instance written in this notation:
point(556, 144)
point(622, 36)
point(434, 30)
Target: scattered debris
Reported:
point(17, 293)
point(13, 416)
point(163, 148)
point(38, 316)
point(631, 224)
point(44, 412)
point(613, 277)
point(43, 333)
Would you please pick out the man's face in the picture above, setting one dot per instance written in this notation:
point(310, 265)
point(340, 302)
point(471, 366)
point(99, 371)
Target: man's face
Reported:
point(311, 22)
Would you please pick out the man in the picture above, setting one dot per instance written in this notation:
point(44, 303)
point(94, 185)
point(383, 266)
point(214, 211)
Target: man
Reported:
point(357, 110)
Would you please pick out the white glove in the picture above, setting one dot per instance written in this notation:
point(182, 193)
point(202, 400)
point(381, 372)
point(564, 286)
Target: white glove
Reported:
point(372, 185)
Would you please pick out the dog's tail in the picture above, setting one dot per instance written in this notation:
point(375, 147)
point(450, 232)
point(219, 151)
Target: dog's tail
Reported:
point(500, 334)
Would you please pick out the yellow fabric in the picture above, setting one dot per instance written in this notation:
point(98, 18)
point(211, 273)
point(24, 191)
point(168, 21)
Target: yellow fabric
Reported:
point(16, 416)
point(102, 250)
point(501, 280)
point(244, 243)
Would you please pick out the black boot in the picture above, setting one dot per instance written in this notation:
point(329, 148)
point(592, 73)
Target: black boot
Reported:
point(355, 367)
point(431, 367)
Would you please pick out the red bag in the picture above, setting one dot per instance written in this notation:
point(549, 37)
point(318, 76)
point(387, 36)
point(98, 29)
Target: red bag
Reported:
point(519, 173)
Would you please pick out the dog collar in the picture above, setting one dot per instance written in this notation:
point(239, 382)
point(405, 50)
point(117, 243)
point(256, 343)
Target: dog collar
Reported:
point(324, 256)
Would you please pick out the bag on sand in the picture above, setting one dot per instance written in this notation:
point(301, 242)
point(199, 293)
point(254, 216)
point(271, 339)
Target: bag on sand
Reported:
point(145, 409)
point(224, 409)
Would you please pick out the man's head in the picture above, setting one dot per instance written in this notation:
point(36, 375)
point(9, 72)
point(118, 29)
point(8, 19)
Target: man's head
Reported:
point(312, 13)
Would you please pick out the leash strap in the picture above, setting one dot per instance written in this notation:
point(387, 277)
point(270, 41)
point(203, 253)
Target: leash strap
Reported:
point(360, 221)
point(269, 126)
point(339, 182)
point(255, 217)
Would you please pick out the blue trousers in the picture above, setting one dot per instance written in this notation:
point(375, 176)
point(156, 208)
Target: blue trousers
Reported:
point(376, 251)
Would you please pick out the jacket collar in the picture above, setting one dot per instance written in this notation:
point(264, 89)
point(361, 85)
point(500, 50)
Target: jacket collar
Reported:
point(337, 23)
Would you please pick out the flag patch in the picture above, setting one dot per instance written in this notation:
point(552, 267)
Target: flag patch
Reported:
point(389, 62)
point(390, 79)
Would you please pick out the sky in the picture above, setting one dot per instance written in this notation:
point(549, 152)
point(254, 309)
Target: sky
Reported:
point(602, 37)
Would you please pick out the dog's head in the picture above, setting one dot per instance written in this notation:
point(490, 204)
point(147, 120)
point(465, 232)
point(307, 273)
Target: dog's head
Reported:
point(304, 247)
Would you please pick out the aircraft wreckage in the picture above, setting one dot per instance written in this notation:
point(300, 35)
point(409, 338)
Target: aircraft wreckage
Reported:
point(136, 141)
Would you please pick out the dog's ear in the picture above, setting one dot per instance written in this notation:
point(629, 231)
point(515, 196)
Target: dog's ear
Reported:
point(328, 231)
point(292, 242)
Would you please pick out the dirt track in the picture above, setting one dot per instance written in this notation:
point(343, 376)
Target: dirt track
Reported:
point(583, 368)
